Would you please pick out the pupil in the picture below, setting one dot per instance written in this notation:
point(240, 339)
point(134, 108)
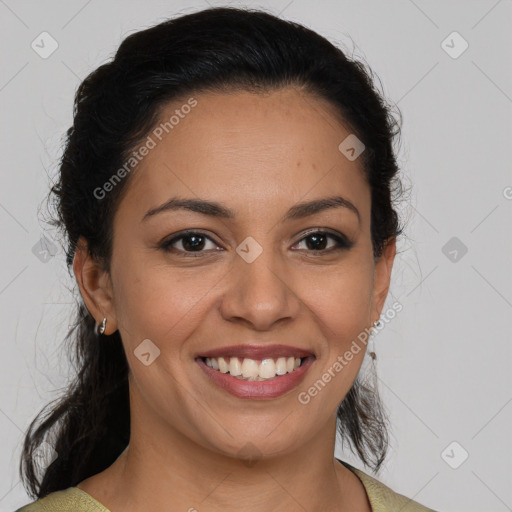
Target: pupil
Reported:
point(316, 237)
point(193, 245)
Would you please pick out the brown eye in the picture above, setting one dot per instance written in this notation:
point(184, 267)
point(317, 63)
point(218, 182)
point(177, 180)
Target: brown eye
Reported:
point(191, 242)
point(318, 241)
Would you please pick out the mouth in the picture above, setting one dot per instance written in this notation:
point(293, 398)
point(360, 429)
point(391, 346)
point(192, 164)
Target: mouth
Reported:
point(256, 372)
point(254, 369)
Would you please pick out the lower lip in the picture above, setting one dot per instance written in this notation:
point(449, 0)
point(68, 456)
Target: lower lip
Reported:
point(259, 389)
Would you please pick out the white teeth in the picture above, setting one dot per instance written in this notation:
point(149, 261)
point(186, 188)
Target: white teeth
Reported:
point(223, 366)
point(281, 366)
point(268, 369)
point(235, 368)
point(250, 369)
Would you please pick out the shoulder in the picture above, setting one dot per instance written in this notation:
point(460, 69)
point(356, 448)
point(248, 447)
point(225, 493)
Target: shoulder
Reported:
point(68, 499)
point(382, 498)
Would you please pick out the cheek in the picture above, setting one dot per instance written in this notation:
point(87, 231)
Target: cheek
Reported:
point(159, 302)
point(164, 303)
point(341, 305)
point(341, 298)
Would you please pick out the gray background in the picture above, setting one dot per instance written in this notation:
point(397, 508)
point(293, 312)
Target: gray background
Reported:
point(444, 362)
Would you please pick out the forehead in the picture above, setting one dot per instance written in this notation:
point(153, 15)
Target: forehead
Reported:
point(246, 149)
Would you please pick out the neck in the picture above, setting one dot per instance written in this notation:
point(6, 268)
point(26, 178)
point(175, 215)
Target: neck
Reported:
point(162, 467)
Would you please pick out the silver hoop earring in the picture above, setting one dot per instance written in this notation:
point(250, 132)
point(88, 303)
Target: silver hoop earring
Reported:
point(103, 326)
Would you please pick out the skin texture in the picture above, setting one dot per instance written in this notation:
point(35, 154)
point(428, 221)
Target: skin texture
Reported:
point(258, 155)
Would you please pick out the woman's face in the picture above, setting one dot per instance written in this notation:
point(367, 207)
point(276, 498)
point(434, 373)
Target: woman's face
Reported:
point(260, 277)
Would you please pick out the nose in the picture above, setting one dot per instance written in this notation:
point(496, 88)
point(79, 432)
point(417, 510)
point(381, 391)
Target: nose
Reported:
point(260, 293)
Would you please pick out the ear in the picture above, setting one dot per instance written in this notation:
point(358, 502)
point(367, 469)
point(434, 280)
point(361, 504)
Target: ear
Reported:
point(382, 277)
point(95, 286)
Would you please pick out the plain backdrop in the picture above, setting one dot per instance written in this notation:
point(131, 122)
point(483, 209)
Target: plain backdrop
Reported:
point(444, 362)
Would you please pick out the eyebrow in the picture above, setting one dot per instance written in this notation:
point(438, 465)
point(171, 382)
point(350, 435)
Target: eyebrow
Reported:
point(213, 209)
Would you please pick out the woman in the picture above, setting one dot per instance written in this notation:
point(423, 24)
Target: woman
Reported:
point(226, 191)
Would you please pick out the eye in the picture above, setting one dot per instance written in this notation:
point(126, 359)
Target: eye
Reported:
point(190, 242)
point(319, 239)
point(195, 241)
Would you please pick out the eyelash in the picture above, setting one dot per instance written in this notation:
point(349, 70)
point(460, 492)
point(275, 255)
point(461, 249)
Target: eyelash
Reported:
point(342, 241)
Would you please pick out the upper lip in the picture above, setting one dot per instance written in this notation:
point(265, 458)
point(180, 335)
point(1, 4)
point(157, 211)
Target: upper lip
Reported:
point(257, 351)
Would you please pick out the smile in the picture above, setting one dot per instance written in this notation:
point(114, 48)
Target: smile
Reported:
point(273, 384)
point(252, 369)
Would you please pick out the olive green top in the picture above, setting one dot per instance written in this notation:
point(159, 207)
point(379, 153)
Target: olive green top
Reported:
point(381, 497)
